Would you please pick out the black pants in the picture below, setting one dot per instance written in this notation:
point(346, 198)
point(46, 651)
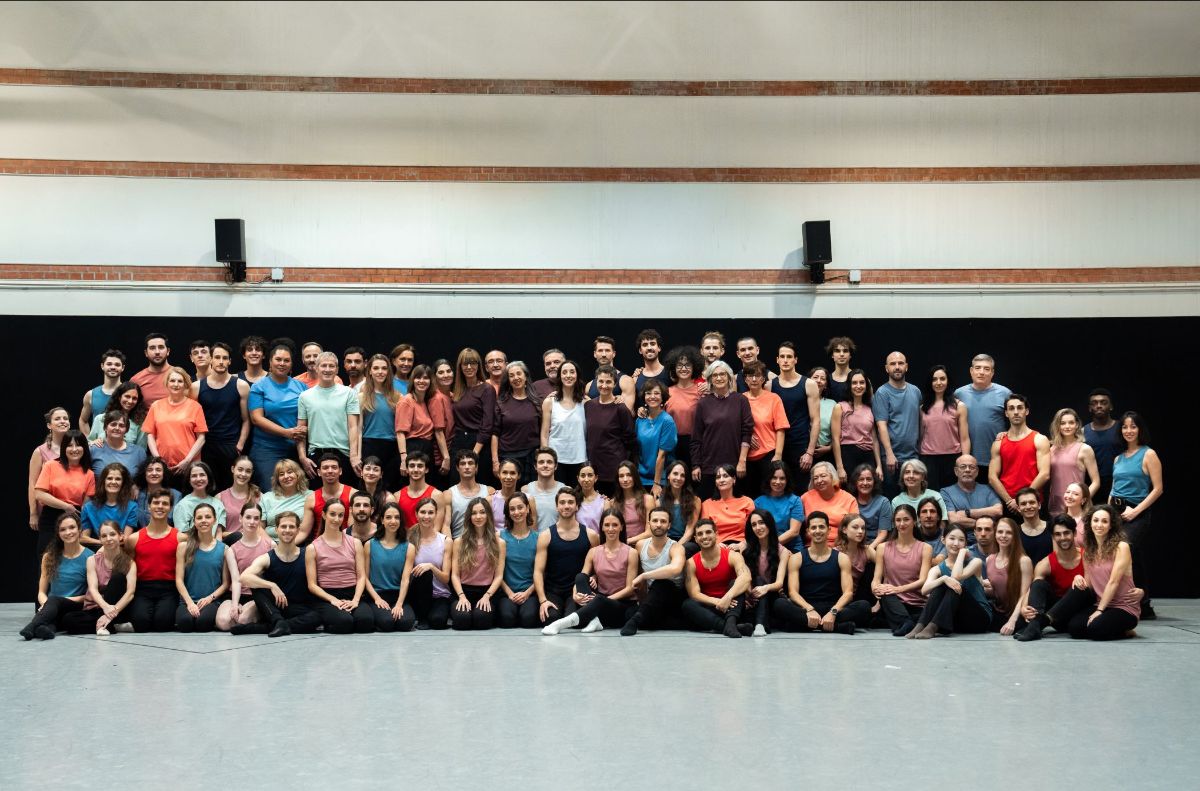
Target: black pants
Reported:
point(1042, 599)
point(757, 471)
point(388, 454)
point(1138, 534)
point(426, 608)
point(338, 621)
point(791, 617)
point(1074, 609)
point(897, 613)
point(759, 612)
point(661, 607)
point(347, 477)
point(512, 616)
point(611, 612)
point(567, 473)
point(153, 606)
point(220, 456)
point(474, 618)
point(706, 618)
point(941, 470)
point(84, 621)
point(206, 621)
point(301, 618)
point(706, 489)
point(682, 452)
point(54, 612)
point(46, 532)
point(793, 450)
point(562, 601)
point(953, 612)
point(384, 620)
point(852, 456)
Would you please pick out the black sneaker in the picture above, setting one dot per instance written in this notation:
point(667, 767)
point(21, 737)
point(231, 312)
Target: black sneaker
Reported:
point(1148, 613)
point(282, 629)
point(844, 628)
point(630, 628)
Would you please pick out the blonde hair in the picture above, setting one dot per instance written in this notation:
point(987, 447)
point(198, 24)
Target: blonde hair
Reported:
point(1056, 437)
point(301, 478)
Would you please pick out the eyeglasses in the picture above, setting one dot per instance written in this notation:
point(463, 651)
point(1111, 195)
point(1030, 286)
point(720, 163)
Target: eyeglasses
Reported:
point(966, 466)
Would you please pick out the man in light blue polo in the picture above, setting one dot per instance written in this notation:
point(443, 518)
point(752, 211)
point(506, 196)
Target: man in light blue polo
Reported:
point(897, 408)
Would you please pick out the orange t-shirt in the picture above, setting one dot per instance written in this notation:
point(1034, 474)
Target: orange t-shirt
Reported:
point(72, 485)
point(729, 516)
point(153, 384)
point(175, 428)
point(769, 417)
point(836, 508)
point(413, 419)
point(681, 406)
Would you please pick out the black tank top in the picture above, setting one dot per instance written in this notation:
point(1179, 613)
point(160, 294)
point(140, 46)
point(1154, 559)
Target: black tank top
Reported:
point(795, 406)
point(291, 577)
point(564, 559)
point(822, 581)
point(222, 410)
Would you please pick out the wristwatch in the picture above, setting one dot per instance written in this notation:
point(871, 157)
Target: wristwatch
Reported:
point(833, 611)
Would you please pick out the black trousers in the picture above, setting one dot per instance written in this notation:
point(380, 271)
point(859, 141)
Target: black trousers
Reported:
point(562, 601)
point(791, 617)
point(682, 452)
point(54, 612)
point(347, 477)
point(941, 470)
point(661, 607)
point(384, 620)
point(896, 612)
point(758, 612)
point(338, 621)
point(301, 618)
point(525, 458)
point(206, 621)
point(1042, 599)
point(793, 449)
point(388, 454)
point(474, 618)
point(1074, 609)
point(706, 618)
point(567, 473)
point(611, 612)
point(852, 456)
point(153, 606)
point(756, 472)
point(1138, 533)
point(510, 615)
point(426, 608)
point(220, 456)
point(84, 621)
point(953, 612)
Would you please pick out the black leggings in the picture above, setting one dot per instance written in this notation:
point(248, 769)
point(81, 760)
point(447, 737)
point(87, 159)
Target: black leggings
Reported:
point(84, 621)
point(953, 612)
point(1074, 609)
point(426, 608)
point(611, 612)
point(791, 617)
point(384, 620)
point(301, 618)
point(897, 613)
point(206, 621)
point(339, 621)
point(388, 454)
point(474, 618)
point(562, 601)
point(510, 615)
point(1138, 533)
point(852, 456)
point(706, 618)
point(46, 531)
point(661, 606)
point(153, 606)
point(54, 612)
point(1042, 598)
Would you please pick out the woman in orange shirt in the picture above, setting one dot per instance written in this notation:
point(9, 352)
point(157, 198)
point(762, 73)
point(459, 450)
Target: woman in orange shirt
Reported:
point(728, 513)
point(63, 485)
point(826, 495)
point(175, 425)
point(770, 427)
point(683, 367)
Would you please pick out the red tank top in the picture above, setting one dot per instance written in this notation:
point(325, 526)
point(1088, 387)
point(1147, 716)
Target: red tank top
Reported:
point(1061, 578)
point(408, 504)
point(714, 582)
point(1018, 462)
point(319, 505)
point(155, 557)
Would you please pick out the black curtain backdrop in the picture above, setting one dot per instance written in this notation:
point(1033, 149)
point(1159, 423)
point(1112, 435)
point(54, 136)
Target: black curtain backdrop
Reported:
point(1054, 362)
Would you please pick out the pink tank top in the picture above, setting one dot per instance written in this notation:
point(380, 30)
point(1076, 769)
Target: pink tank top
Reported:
point(47, 453)
point(245, 555)
point(610, 572)
point(1099, 573)
point(903, 568)
point(1064, 471)
point(939, 431)
point(103, 575)
point(633, 520)
point(233, 510)
point(999, 579)
point(482, 572)
point(858, 564)
point(335, 564)
point(857, 426)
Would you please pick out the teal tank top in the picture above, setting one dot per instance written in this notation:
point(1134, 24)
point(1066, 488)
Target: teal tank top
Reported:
point(1129, 482)
point(519, 554)
point(71, 579)
point(204, 575)
point(387, 565)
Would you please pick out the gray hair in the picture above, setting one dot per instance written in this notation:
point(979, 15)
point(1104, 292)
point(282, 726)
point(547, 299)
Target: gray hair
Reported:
point(919, 466)
point(718, 365)
point(983, 358)
point(327, 356)
point(824, 465)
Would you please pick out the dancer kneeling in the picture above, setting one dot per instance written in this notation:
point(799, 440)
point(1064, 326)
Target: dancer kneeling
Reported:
point(335, 568)
point(956, 600)
point(604, 589)
point(717, 579)
point(820, 587)
point(201, 573)
point(389, 560)
point(477, 568)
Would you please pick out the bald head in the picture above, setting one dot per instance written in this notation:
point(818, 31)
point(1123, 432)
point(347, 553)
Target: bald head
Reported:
point(966, 470)
point(897, 367)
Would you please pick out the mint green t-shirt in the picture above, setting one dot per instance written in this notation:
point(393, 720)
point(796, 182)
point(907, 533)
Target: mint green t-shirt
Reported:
point(326, 409)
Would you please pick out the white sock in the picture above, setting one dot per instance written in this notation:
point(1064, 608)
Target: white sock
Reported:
point(123, 628)
point(760, 630)
point(560, 624)
point(102, 632)
point(594, 625)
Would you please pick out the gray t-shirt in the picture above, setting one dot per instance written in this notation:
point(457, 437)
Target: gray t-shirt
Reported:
point(985, 417)
point(901, 408)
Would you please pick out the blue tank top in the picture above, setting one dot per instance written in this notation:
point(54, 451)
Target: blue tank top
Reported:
point(387, 565)
point(1107, 445)
point(678, 526)
point(820, 582)
point(795, 406)
point(204, 575)
point(100, 400)
point(972, 587)
point(592, 392)
point(519, 555)
point(291, 577)
point(1129, 482)
point(564, 559)
point(71, 579)
point(222, 411)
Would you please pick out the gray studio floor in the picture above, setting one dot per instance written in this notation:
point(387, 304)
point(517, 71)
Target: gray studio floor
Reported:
point(518, 710)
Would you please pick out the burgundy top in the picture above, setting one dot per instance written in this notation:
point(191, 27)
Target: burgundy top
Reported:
point(719, 428)
point(474, 409)
point(611, 573)
point(903, 568)
point(1099, 572)
point(518, 424)
point(540, 389)
point(610, 436)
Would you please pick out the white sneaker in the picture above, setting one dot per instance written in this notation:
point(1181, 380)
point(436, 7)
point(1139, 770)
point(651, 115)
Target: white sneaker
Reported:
point(759, 631)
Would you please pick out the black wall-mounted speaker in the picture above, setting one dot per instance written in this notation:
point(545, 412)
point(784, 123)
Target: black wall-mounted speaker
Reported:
point(231, 241)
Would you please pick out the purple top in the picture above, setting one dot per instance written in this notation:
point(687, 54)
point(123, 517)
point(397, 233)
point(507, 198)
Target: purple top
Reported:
point(474, 409)
point(611, 436)
point(589, 513)
point(435, 552)
point(720, 427)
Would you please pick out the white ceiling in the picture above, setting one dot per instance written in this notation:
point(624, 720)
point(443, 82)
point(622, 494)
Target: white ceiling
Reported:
point(617, 40)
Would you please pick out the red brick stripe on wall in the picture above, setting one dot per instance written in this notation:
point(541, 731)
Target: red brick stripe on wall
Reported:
point(519, 87)
point(581, 277)
point(473, 173)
